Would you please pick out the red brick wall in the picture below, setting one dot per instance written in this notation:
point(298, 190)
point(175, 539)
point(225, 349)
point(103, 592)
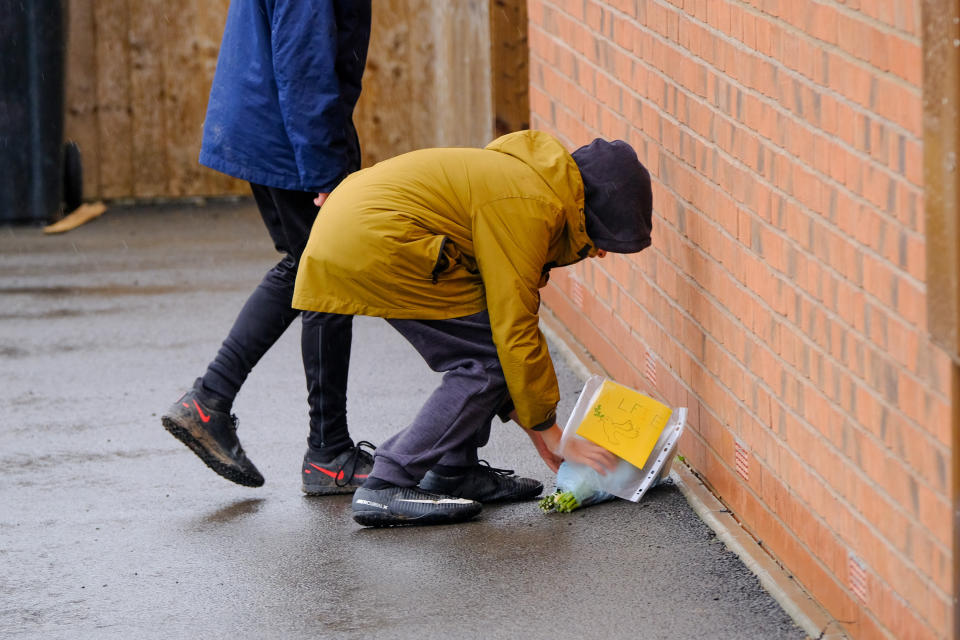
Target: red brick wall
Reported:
point(783, 300)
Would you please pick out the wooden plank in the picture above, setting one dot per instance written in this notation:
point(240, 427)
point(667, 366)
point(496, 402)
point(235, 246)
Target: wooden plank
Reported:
point(190, 58)
point(941, 146)
point(423, 60)
point(80, 118)
point(385, 109)
point(113, 98)
point(209, 33)
point(147, 40)
point(509, 65)
point(462, 33)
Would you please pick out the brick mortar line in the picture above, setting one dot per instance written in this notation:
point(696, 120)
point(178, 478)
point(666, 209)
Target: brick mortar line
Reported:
point(784, 278)
point(864, 65)
point(737, 44)
point(790, 369)
point(906, 561)
point(868, 19)
point(824, 44)
point(777, 106)
point(809, 83)
point(885, 27)
point(767, 143)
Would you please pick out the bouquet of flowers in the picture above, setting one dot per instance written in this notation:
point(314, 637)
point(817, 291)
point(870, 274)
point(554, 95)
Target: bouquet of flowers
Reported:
point(577, 486)
point(642, 432)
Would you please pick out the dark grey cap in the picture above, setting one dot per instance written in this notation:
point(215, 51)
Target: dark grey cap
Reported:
point(618, 202)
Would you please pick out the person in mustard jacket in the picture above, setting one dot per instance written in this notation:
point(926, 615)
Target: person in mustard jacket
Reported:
point(451, 246)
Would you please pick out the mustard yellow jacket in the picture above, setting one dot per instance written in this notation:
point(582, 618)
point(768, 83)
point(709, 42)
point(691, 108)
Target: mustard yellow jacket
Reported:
point(445, 233)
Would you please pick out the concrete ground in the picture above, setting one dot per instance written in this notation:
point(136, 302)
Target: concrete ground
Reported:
point(111, 528)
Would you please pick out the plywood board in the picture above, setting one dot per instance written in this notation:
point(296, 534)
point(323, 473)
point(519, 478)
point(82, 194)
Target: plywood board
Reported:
point(147, 40)
point(113, 98)
point(80, 117)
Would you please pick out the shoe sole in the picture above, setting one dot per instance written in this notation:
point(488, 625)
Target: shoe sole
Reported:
point(379, 519)
point(327, 491)
point(231, 473)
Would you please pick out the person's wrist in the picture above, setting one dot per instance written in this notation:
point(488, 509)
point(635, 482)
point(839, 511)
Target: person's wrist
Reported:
point(551, 437)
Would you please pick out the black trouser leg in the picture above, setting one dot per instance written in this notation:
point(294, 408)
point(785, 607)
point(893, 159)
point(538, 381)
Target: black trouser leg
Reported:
point(262, 320)
point(326, 360)
point(325, 340)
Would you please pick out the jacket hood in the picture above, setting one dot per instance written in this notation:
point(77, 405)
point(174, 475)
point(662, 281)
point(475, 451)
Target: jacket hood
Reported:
point(617, 195)
point(552, 162)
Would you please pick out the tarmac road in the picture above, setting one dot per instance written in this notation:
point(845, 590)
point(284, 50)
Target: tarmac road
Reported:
point(111, 528)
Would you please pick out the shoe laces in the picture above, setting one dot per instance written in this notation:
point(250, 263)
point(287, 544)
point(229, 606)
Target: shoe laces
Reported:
point(499, 472)
point(234, 423)
point(357, 455)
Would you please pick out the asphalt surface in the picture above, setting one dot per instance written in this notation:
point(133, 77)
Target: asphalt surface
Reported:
point(111, 528)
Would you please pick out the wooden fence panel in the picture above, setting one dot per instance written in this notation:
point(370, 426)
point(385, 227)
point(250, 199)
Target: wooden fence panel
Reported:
point(149, 136)
point(113, 98)
point(81, 118)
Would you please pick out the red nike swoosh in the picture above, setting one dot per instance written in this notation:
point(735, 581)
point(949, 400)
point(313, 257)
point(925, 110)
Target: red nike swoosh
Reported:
point(200, 412)
point(336, 476)
point(327, 472)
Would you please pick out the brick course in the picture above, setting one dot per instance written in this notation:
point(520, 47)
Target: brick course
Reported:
point(783, 300)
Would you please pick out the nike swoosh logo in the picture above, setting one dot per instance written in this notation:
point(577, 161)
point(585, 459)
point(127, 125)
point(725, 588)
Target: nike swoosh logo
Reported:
point(440, 501)
point(336, 475)
point(373, 504)
point(200, 412)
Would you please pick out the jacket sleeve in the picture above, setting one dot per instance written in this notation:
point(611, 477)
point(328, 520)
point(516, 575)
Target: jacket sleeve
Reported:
point(304, 37)
point(511, 238)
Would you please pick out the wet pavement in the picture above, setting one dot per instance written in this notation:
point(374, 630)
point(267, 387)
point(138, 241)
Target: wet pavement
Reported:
point(109, 527)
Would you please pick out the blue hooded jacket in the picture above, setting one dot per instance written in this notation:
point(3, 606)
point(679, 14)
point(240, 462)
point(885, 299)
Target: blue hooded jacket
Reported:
point(288, 77)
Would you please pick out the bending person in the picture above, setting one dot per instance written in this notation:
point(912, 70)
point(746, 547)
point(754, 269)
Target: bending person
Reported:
point(451, 246)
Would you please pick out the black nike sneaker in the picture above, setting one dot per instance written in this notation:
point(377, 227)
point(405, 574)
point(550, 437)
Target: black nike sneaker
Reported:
point(394, 506)
point(483, 483)
point(211, 433)
point(343, 474)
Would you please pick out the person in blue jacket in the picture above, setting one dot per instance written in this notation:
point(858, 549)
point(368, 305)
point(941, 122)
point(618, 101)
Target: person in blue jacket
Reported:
point(280, 116)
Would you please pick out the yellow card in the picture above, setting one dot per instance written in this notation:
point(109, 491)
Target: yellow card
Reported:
point(624, 422)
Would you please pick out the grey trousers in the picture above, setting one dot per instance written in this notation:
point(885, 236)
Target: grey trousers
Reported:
point(455, 421)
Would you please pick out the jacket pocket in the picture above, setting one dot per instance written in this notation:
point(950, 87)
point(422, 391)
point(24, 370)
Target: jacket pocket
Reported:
point(448, 258)
point(426, 257)
point(443, 260)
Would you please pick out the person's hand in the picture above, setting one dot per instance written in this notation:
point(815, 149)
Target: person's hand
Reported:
point(320, 199)
point(592, 455)
point(549, 457)
point(578, 450)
